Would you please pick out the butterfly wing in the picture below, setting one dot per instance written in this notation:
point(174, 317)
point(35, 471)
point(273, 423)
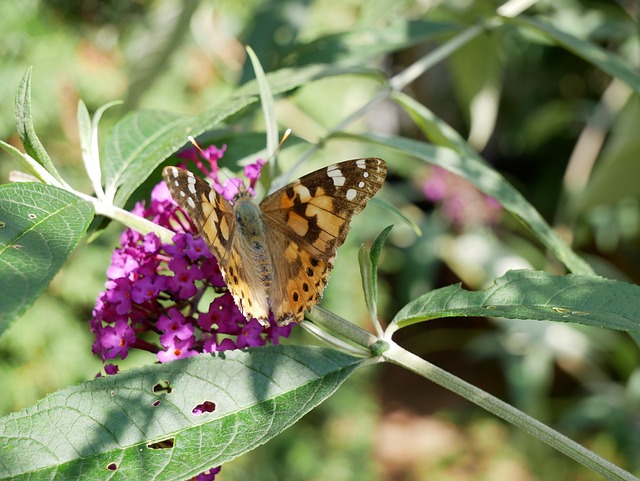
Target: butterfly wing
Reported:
point(306, 222)
point(208, 210)
point(214, 218)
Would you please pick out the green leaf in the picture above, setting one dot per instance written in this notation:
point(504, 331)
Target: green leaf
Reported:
point(88, 131)
point(144, 139)
point(376, 249)
point(593, 301)
point(471, 167)
point(366, 275)
point(142, 422)
point(616, 173)
point(26, 131)
point(39, 227)
point(385, 204)
point(369, 271)
point(30, 164)
point(269, 111)
point(606, 61)
point(287, 79)
point(357, 46)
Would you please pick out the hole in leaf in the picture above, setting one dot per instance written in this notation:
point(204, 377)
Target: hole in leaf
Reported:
point(164, 444)
point(113, 394)
point(205, 407)
point(156, 404)
point(112, 467)
point(31, 216)
point(2, 224)
point(163, 387)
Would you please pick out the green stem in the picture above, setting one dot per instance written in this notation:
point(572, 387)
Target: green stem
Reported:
point(133, 221)
point(337, 325)
point(127, 218)
point(410, 361)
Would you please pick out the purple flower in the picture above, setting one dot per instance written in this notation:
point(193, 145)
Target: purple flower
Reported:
point(115, 340)
point(177, 349)
point(209, 475)
point(153, 292)
point(251, 335)
point(174, 325)
point(461, 203)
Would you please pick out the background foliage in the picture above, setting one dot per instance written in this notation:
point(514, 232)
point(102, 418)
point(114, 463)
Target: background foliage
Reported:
point(558, 127)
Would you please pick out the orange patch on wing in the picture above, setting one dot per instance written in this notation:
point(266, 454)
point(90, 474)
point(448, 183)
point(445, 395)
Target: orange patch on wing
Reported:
point(297, 223)
point(323, 202)
point(292, 252)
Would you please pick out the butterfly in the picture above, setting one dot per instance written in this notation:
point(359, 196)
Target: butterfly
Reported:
point(277, 256)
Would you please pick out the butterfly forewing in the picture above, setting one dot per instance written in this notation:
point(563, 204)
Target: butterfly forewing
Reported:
point(209, 211)
point(308, 220)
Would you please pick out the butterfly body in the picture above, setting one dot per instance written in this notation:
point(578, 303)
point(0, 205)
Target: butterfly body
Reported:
point(277, 256)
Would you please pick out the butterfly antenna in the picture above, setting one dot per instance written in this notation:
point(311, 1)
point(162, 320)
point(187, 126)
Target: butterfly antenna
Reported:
point(204, 155)
point(273, 170)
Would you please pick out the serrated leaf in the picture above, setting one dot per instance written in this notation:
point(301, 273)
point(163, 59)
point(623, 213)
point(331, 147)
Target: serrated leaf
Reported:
point(26, 131)
point(143, 420)
point(471, 167)
point(39, 227)
point(606, 61)
point(535, 295)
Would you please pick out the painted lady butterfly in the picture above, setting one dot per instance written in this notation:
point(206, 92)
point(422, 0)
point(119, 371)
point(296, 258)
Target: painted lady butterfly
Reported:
point(277, 256)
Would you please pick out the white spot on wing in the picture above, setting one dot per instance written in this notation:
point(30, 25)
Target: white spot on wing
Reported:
point(351, 194)
point(191, 182)
point(360, 185)
point(336, 176)
point(362, 163)
point(191, 203)
point(365, 174)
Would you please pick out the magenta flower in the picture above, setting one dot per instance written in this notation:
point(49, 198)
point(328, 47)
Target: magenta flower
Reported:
point(461, 203)
point(152, 295)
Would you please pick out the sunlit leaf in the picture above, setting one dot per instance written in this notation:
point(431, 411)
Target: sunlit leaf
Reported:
point(39, 227)
point(593, 301)
point(26, 130)
point(170, 421)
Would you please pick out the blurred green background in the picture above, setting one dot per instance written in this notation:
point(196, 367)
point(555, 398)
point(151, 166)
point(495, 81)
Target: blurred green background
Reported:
point(562, 131)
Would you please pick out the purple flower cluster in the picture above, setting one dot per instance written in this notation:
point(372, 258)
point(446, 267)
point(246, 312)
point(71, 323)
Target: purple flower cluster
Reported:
point(461, 203)
point(153, 298)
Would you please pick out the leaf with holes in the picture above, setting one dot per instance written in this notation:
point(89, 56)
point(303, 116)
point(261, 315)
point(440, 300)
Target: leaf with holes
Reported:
point(39, 227)
point(170, 421)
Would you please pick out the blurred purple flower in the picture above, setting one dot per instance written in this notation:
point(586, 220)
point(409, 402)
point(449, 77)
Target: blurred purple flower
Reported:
point(461, 203)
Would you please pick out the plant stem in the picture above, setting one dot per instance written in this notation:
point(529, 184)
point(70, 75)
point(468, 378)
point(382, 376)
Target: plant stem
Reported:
point(140, 224)
point(404, 358)
point(337, 325)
